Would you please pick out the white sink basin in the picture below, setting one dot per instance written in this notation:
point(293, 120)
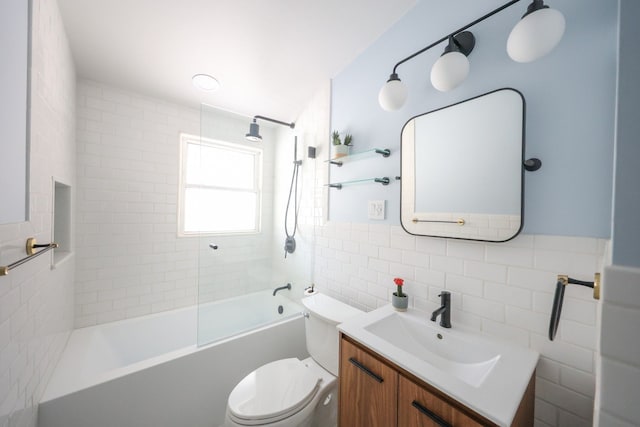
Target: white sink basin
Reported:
point(486, 375)
point(464, 357)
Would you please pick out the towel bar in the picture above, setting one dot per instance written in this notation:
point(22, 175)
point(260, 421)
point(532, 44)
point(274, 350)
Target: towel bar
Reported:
point(30, 248)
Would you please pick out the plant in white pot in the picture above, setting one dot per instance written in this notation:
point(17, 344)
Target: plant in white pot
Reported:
point(340, 149)
point(399, 299)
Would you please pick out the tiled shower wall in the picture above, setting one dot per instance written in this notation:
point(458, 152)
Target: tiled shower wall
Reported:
point(130, 260)
point(312, 129)
point(503, 289)
point(36, 302)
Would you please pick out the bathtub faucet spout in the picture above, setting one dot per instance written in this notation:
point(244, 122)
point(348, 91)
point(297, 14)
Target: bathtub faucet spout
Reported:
point(288, 286)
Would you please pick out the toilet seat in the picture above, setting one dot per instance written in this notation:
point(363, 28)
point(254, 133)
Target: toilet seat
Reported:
point(273, 392)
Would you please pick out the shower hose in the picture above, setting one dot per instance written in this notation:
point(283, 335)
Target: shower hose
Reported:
point(290, 241)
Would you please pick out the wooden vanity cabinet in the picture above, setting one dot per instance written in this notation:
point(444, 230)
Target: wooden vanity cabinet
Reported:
point(368, 389)
point(375, 392)
point(417, 407)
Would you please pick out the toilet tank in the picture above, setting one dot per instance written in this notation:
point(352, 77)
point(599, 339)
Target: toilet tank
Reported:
point(325, 313)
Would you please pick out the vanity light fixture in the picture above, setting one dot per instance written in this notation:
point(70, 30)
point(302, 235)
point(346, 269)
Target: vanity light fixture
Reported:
point(527, 42)
point(393, 94)
point(450, 70)
point(205, 82)
point(254, 127)
point(535, 35)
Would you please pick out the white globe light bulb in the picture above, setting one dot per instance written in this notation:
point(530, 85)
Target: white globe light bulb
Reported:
point(535, 35)
point(392, 95)
point(449, 71)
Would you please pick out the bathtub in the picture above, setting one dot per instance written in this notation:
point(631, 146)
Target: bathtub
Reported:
point(149, 371)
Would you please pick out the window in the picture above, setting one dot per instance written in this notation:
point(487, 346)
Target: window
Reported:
point(219, 187)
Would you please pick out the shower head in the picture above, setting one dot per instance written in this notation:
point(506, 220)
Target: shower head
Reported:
point(254, 132)
point(254, 128)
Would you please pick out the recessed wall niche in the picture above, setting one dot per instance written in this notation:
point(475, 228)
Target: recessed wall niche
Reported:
point(61, 233)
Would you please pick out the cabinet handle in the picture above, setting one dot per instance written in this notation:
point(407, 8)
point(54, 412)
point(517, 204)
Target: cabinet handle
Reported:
point(365, 370)
point(436, 419)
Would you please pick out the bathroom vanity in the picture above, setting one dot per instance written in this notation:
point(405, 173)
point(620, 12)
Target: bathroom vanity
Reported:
point(400, 369)
point(380, 393)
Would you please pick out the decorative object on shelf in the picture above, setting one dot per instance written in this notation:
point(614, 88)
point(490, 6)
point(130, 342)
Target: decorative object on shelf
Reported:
point(399, 300)
point(535, 35)
point(341, 149)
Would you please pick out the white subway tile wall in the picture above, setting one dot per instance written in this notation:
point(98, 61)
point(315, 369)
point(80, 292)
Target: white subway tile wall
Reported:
point(130, 260)
point(500, 289)
point(312, 130)
point(620, 348)
point(36, 303)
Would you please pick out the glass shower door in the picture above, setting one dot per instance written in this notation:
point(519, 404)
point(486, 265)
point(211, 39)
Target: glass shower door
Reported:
point(235, 258)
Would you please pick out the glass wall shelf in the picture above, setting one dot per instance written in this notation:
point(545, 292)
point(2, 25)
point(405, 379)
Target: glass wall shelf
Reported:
point(338, 185)
point(384, 152)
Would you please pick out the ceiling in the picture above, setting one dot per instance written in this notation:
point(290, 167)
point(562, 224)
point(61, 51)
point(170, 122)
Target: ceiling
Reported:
point(270, 56)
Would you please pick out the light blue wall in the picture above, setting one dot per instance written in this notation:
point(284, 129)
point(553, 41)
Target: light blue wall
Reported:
point(626, 229)
point(570, 100)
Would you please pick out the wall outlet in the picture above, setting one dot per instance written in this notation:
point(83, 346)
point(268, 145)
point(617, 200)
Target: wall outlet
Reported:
point(376, 209)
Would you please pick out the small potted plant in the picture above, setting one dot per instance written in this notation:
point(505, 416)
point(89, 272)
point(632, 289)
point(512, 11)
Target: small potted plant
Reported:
point(340, 149)
point(399, 300)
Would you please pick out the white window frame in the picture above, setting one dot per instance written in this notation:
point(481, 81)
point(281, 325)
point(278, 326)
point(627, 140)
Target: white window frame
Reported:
point(186, 139)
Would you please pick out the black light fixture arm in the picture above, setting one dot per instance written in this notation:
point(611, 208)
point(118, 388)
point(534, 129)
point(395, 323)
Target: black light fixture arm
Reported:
point(291, 125)
point(459, 30)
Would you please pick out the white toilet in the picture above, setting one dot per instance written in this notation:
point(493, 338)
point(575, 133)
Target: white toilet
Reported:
point(291, 392)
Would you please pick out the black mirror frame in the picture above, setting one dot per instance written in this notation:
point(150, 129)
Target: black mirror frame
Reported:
point(524, 166)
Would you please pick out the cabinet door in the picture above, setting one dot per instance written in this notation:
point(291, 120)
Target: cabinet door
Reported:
point(418, 407)
point(368, 389)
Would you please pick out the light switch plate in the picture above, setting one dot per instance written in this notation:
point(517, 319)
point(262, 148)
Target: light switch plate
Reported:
point(376, 209)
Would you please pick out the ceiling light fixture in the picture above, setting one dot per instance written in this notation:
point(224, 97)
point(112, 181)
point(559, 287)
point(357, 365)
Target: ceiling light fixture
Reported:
point(535, 35)
point(205, 82)
point(254, 127)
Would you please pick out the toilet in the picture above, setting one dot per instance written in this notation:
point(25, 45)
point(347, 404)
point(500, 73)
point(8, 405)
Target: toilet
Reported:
point(293, 392)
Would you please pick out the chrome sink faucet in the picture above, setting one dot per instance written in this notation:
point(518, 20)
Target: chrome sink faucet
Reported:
point(444, 311)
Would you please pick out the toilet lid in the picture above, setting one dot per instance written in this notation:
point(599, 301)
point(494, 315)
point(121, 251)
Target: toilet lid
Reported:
point(273, 390)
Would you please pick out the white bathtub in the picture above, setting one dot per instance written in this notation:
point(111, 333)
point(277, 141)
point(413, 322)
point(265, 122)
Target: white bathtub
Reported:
point(148, 371)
